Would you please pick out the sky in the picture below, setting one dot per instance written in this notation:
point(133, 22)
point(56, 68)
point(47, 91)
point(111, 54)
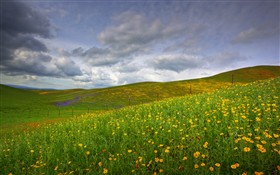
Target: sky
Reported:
point(95, 44)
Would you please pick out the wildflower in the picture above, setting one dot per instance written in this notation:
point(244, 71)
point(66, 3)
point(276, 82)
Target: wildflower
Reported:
point(246, 149)
point(258, 119)
point(105, 171)
point(80, 145)
point(55, 168)
point(167, 151)
point(211, 168)
point(87, 153)
point(258, 138)
point(160, 170)
point(132, 171)
point(203, 156)
point(278, 167)
point(100, 163)
point(234, 166)
point(161, 160)
point(185, 158)
point(217, 164)
point(196, 154)
point(244, 173)
point(202, 164)
point(262, 149)
point(205, 145)
point(156, 159)
point(196, 166)
point(258, 173)
point(129, 151)
point(155, 151)
point(32, 151)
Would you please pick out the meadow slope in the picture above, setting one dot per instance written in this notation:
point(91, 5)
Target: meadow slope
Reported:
point(234, 130)
point(25, 106)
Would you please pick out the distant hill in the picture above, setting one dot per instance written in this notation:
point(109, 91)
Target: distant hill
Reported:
point(16, 98)
point(249, 74)
point(132, 94)
point(21, 105)
point(27, 87)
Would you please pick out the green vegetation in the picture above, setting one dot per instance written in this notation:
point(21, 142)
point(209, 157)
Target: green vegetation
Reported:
point(25, 106)
point(233, 130)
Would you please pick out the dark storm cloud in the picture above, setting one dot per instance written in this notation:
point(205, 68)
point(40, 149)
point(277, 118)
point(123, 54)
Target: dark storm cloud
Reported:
point(20, 26)
point(22, 51)
point(19, 18)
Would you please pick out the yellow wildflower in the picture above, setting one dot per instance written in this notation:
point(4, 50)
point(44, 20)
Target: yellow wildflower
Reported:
point(55, 168)
point(217, 164)
point(156, 159)
point(205, 145)
point(246, 149)
point(196, 154)
point(234, 166)
point(211, 168)
point(105, 171)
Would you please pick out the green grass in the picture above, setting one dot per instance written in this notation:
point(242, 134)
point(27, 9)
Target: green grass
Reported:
point(233, 130)
point(19, 106)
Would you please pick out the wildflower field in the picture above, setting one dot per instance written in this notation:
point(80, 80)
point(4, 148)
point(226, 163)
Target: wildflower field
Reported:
point(234, 130)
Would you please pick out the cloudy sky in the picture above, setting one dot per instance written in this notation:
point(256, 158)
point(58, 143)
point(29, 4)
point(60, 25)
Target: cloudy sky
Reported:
point(93, 44)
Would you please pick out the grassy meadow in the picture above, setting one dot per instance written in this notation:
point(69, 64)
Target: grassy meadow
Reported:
point(21, 109)
point(232, 130)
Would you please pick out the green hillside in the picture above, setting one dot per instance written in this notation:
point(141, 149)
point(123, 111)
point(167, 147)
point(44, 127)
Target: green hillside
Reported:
point(19, 106)
point(12, 97)
point(138, 93)
point(250, 74)
point(234, 130)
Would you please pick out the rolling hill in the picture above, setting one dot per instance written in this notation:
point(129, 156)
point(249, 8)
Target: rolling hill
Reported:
point(138, 93)
point(234, 130)
point(18, 106)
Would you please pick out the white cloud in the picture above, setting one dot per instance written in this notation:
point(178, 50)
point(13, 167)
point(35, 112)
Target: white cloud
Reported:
point(254, 34)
